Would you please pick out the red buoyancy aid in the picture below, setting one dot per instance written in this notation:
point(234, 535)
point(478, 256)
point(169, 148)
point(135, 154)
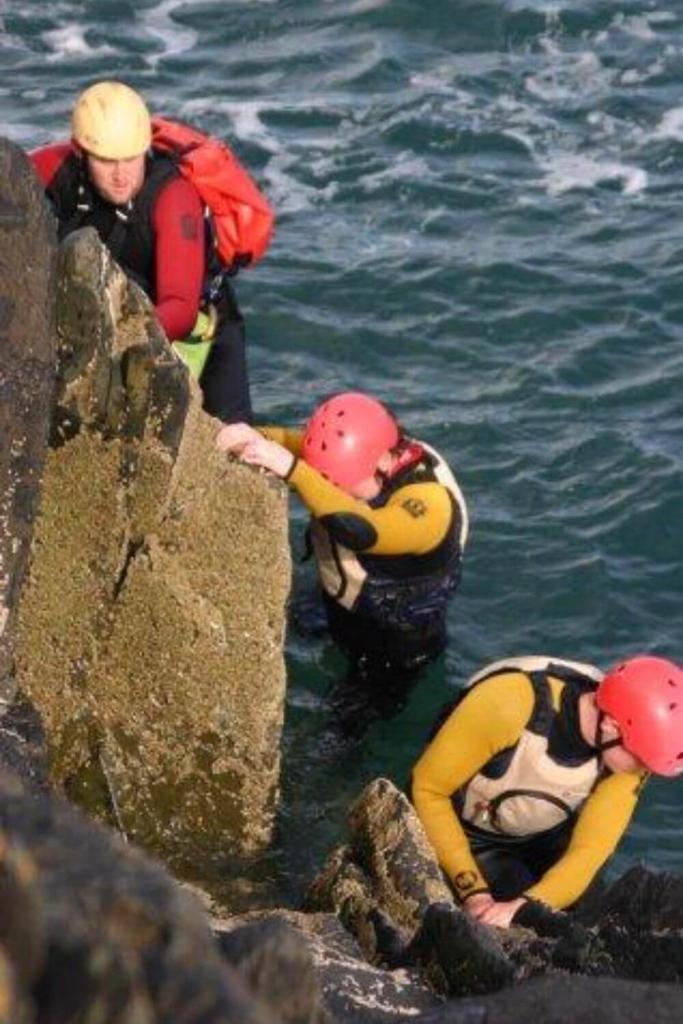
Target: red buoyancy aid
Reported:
point(242, 217)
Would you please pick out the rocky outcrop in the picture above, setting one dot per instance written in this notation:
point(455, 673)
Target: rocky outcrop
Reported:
point(334, 981)
point(382, 883)
point(385, 886)
point(27, 369)
point(90, 929)
point(567, 1000)
point(150, 635)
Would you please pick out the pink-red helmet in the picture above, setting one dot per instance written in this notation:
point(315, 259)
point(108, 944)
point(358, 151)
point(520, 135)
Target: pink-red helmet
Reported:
point(644, 696)
point(347, 435)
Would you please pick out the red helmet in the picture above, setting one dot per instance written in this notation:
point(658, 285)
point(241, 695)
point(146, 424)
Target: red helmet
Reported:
point(644, 696)
point(347, 435)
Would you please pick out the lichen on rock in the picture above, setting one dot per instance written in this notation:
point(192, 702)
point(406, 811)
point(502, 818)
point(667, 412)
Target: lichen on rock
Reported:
point(151, 624)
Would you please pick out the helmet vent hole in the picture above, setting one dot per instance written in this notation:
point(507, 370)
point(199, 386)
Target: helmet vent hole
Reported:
point(629, 721)
point(679, 757)
point(324, 446)
point(340, 413)
point(672, 707)
point(340, 433)
point(671, 682)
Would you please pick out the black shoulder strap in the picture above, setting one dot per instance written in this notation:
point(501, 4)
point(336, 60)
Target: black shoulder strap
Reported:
point(543, 711)
point(540, 713)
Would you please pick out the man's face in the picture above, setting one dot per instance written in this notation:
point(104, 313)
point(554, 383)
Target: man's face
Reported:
point(117, 181)
point(618, 759)
point(368, 489)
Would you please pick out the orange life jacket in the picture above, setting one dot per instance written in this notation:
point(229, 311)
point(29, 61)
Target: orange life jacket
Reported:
point(242, 217)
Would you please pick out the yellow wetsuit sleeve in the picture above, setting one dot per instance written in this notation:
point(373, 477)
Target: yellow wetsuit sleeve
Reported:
point(414, 520)
point(599, 827)
point(489, 719)
point(289, 437)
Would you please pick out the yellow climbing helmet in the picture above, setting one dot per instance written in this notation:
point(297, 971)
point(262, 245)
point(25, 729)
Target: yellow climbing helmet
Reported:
point(111, 120)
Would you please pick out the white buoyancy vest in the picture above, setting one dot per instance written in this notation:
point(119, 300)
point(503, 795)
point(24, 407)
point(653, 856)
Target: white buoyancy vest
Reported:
point(535, 792)
point(342, 573)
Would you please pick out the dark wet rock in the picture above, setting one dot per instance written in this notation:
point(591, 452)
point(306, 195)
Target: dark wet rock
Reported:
point(384, 886)
point(387, 889)
point(27, 375)
point(342, 887)
point(458, 956)
point(23, 746)
point(569, 944)
point(269, 954)
point(94, 931)
point(382, 883)
point(567, 999)
point(640, 900)
point(644, 955)
point(349, 989)
point(389, 842)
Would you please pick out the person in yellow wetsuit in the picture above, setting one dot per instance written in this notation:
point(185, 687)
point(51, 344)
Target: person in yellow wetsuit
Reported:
point(530, 782)
point(388, 529)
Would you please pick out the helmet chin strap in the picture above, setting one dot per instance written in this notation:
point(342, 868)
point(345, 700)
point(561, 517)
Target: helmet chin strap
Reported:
point(602, 745)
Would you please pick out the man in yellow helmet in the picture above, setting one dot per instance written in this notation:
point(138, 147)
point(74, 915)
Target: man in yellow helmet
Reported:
point(152, 220)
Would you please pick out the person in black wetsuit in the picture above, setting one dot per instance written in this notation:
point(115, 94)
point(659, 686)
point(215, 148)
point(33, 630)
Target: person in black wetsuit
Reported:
point(530, 781)
point(388, 529)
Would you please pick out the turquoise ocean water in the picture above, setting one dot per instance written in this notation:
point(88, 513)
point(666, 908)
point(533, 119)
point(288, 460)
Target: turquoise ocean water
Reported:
point(480, 219)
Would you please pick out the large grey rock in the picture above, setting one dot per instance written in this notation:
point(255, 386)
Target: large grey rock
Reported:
point(150, 635)
point(27, 373)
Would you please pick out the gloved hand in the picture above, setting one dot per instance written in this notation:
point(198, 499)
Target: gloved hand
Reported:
point(205, 325)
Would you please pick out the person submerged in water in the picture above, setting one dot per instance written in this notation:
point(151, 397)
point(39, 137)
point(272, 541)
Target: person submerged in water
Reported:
point(388, 529)
point(529, 784)
point(112, 176)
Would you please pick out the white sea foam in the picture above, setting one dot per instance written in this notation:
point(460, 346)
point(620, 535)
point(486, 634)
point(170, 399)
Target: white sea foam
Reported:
point(69, 42)
point(637, 25)
point(670, 126)
point(244, 121)
point(631, 76)
point(566, 172)
point(548, 8)
point(174, 38)
point(406, 167)
point(570, 76)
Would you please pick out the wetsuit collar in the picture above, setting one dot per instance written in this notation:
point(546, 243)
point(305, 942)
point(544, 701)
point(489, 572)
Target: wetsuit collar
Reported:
point(566, 737)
